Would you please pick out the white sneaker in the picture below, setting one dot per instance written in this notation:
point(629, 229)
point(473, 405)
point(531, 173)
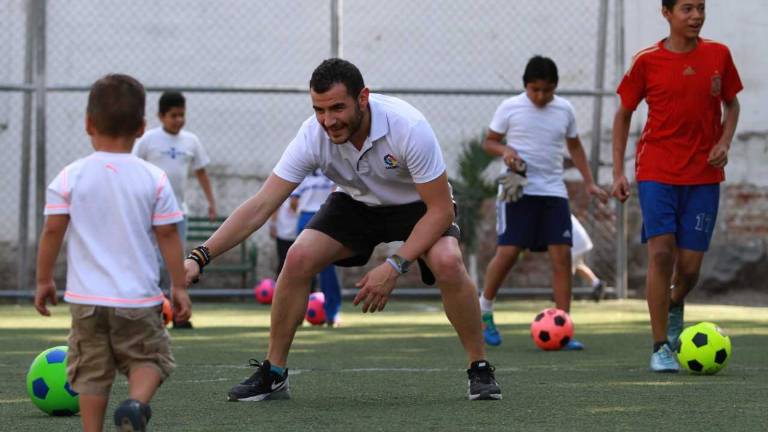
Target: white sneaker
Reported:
point(664, 360)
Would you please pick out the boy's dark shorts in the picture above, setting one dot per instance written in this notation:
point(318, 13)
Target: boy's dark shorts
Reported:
point(104, 340)
point(360, 227)
point(534, 222)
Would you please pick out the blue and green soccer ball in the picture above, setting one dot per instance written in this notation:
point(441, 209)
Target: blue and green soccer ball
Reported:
point(47, 384)
point(704, 348)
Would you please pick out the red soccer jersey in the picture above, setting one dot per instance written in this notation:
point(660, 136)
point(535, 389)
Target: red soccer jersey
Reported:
point(684, 92)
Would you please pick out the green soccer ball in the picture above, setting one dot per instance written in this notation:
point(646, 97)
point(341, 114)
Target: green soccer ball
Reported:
point(703, 348)
point(47, 384)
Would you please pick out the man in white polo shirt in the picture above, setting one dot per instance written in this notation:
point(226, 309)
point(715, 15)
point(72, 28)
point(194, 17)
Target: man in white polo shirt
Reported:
point(392, 186)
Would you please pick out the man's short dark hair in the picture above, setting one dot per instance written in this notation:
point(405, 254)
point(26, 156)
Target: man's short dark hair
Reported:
point(540, 68)
point(337, 71)
point(116, 105)
point(668, 4)
point(171, 99)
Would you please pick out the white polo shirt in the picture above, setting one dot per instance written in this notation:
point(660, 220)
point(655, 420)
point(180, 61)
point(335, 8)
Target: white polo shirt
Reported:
point(113, 200)
point(400, 151)
point(538, 135)
point(174, 154)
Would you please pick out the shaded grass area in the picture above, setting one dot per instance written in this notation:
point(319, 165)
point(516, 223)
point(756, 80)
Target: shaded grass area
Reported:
point(403, 370)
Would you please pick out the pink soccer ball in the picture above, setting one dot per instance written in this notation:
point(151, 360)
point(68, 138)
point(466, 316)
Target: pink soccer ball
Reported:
point(552, 329)
point(315, 314)
point(264, 291)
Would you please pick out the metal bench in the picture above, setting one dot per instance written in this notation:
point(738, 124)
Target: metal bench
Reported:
point(200, 229)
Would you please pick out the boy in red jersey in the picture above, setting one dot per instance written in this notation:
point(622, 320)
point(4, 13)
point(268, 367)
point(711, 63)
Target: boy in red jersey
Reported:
point(680, 159)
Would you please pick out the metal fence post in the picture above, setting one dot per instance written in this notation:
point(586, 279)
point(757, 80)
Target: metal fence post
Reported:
point(26, 149)
point(337, 44)
point(597, 108)
point(622, 277)
point(40, 100)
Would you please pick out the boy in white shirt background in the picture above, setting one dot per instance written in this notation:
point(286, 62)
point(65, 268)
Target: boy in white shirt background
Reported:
point(176, 151)
point(582, 244)
point(306, 200)
point(115, 209)
point(538, 126)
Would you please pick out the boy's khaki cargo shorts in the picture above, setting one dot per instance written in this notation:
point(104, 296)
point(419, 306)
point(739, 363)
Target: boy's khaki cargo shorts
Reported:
point(108, 339)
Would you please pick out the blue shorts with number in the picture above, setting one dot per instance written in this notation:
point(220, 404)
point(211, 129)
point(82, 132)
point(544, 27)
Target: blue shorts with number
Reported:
point(534, 222)
point(688, 212)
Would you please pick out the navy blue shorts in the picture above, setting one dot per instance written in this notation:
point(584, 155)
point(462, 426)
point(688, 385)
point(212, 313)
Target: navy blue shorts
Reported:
point(688, 212)
point(534, 222)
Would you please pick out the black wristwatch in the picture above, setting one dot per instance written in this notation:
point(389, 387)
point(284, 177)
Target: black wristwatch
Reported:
point(400, 264)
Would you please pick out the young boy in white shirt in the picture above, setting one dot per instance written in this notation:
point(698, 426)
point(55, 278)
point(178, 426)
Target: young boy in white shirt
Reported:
point(176, 151)
point(117, 209)
point(538, 126)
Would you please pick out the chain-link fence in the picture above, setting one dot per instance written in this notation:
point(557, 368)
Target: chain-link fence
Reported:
point(244, 67)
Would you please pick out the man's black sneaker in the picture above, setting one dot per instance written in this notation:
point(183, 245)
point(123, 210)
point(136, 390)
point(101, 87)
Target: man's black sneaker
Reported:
point(182, 325)
point(262, 385)
point(482, 384)
point(132, 416)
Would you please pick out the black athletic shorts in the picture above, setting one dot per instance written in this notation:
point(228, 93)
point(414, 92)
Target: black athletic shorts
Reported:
point(360, 227)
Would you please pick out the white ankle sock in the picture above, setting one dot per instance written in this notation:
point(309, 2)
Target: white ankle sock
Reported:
point(485, 304)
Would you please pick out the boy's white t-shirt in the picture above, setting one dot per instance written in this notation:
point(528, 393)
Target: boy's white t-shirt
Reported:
point(581, 241)
point(312, 192)
point(113, 200)
point(175, 154)
point(538, 135)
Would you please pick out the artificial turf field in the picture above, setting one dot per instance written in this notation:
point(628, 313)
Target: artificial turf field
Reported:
point(403, 370)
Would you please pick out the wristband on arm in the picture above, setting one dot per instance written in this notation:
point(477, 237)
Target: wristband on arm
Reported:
point(201, 255)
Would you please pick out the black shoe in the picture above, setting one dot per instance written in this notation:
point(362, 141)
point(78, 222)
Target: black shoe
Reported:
point(182, 325)
point(262, 385)
point(132, 416)
point(598, 291)
point(482, 383)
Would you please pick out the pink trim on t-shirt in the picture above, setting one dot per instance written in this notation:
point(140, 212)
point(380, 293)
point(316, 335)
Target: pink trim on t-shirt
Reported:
point(63, 190)
point(160, 184)
point(167, 215)
point(56, 206)
point(112, 299)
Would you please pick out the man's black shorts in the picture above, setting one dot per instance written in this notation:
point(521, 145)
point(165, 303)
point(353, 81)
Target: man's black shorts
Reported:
point(360, 227)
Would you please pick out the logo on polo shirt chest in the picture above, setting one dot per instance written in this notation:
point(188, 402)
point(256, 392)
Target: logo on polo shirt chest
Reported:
point(390, 162)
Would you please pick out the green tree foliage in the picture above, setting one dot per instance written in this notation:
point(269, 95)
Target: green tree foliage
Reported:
point(470, 189)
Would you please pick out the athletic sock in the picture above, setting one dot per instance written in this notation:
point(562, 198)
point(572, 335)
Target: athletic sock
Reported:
point(276, 370)
point(596, 282)
point(486, 305)
point(673, 304)
point(657, 345)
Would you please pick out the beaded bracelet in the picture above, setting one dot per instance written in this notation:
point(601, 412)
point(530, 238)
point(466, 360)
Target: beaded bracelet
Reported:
point(201, 255)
